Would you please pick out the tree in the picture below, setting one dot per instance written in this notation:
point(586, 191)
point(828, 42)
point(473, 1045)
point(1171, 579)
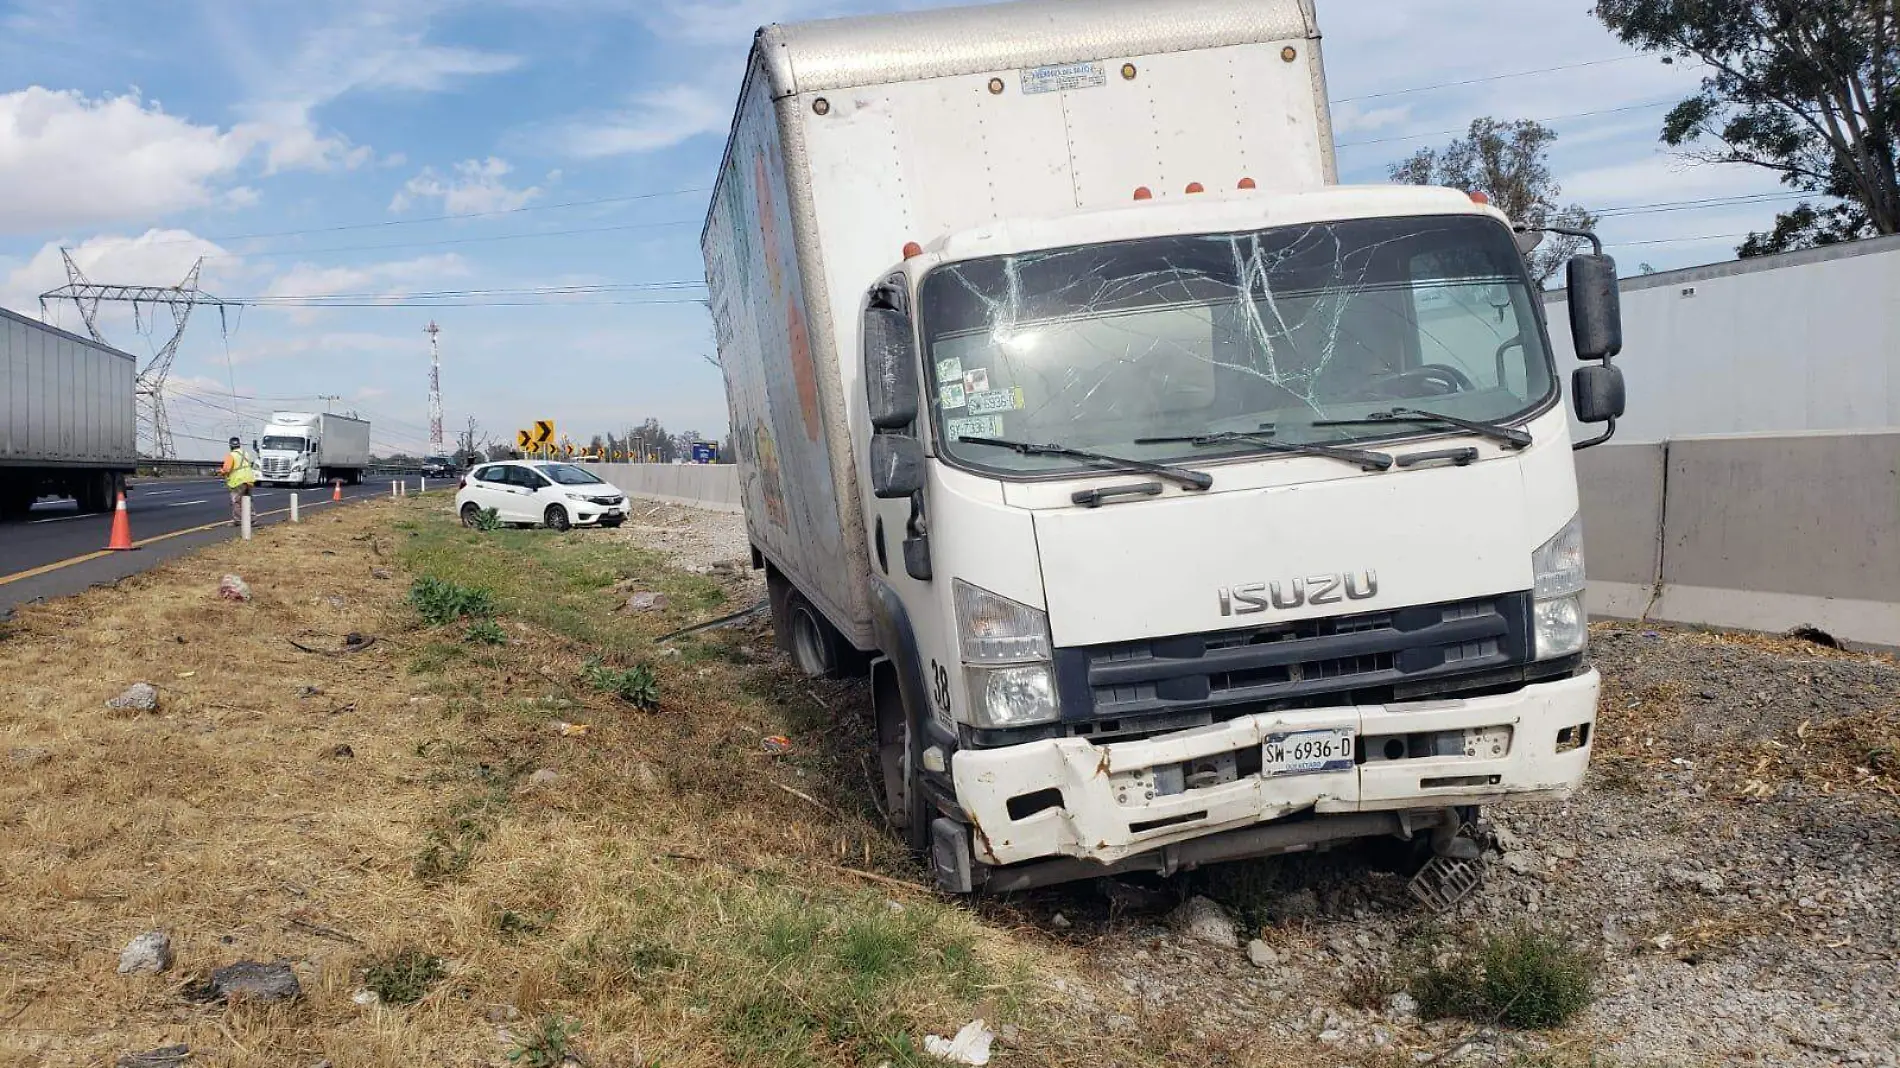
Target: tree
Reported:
point(471, 446)
point(1509, 162)
point(1806, 89)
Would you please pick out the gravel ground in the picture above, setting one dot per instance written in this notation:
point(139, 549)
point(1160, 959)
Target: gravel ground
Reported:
point(1731, 863)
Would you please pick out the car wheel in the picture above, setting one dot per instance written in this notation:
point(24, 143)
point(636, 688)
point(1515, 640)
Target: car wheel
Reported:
point(556, 518)
point(471, 514)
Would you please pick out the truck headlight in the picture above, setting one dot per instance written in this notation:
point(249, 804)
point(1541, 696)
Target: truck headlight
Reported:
point(1012, 696)
point(1006, 652)
point(1559, 625)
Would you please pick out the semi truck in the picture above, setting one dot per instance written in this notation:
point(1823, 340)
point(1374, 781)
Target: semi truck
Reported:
point(305, 449)
point(1180, 504)
point(68, 421)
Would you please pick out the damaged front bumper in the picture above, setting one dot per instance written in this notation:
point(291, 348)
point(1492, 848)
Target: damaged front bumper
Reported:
point(1106, 803)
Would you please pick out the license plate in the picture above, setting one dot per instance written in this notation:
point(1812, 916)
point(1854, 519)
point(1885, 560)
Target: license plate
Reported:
point(1308, 752)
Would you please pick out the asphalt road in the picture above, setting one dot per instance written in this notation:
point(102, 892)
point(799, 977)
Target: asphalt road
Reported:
point(57, 551)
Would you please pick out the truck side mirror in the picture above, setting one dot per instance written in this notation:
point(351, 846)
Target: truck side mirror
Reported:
point(897, 466)
point(1596, 307)
point(1597, 393)
point(890, 368)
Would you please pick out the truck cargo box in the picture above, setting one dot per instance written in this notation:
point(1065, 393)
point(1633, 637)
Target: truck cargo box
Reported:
point(65, 401)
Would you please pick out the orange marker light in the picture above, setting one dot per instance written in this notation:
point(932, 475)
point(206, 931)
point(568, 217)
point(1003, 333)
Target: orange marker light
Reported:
point(1196, 187)
point(1142, 192)
point(912, 250)
point(1247, 183)
point(1480, 198)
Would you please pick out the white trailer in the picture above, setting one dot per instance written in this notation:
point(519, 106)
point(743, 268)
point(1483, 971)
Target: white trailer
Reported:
point(68, 425)
point(1069, 392)
point(306, 449)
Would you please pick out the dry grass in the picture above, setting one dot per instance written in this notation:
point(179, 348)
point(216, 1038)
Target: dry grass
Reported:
point(677, 893)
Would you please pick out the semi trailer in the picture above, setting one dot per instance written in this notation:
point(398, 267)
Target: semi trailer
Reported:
point(68, 421)
point(1180, 504)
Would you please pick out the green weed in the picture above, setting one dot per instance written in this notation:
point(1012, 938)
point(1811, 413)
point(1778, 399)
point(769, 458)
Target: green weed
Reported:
point(403, 977)
point(485, 632)
point(1524, 978)
point(546, 1045)
point(440, 603)
point(637, 685)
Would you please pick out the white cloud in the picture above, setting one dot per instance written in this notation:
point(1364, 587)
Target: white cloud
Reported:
point(477, 186)
point(654, 120)
point(374, 282)
point(1358, 118)
point(726, 22)
point(67, 159)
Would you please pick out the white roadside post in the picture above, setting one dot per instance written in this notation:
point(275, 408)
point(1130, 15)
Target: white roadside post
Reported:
point(395, 489)
point(424, 487)
point(244, 506)
point(295, 517)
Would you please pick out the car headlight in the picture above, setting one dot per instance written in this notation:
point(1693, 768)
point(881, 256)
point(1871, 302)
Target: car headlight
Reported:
point(1006, 651)
point(1560, 625)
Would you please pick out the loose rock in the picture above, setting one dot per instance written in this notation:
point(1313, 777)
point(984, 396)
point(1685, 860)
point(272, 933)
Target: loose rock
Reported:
point(544, 777)
point(1204, 921)
point(1401, 1008)
point(1121, 1025)
point(233, 588)
point(340, 752)
point(1262, 954)
point(150, 952)
point(138, 697)
point(645, 602)
point(1524, 862)
point(163, 1057)
point(27, 756)
point(253, 981)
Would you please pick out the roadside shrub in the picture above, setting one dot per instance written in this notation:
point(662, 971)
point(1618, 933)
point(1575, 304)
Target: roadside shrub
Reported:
point(637, 685)
point(403, 977)
point(486, 632)
point(441, 603)
point(487, 520)
point(1525, 978)
point(1368, 985)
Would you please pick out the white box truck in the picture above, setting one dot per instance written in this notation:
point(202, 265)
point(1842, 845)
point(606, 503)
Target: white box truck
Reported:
point(305, 449)
point(68, 422)
point(1182, 505)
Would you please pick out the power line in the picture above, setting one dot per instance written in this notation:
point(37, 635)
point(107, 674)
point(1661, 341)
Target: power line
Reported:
point(434, 294)
point(629, 198)
point(1483, 80)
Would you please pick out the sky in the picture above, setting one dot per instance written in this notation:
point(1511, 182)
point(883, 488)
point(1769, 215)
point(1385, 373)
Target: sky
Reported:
point(542, 168)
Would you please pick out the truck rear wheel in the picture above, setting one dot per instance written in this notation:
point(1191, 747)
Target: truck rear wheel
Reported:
point(805, 635)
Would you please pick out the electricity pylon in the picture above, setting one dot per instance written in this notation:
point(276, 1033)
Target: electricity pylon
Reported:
point(180, 299)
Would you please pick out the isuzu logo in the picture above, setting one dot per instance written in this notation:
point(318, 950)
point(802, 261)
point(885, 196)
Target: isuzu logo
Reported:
point(1287, 594)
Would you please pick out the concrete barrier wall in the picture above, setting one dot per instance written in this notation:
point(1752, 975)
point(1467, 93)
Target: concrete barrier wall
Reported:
point(714, 486)
point(1751, 532)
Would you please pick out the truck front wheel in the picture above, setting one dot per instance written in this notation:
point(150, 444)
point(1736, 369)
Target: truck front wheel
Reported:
point(900, 758)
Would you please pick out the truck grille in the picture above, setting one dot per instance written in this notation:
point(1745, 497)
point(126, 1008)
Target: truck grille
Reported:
point(274, 468)
point(1289, 665)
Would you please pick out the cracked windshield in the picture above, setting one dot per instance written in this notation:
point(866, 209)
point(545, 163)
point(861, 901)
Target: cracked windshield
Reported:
point(1276, 331)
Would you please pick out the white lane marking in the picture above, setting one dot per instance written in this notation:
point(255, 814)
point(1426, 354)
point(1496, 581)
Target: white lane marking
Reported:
point(181, 504)
point(63, 518)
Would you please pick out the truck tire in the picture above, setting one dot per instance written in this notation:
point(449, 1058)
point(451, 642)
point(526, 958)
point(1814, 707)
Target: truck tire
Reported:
point(900, 756)
point(803, 633)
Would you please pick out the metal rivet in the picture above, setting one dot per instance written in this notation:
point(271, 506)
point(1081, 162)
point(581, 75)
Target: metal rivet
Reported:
point(996, 87)
point(821, 106)
point(1129, 72)
point(1289, 53)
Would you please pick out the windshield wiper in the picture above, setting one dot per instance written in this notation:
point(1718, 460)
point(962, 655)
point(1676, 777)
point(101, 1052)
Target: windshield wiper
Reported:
point(1370, 461)
point(1509, 436)
point(1199, 480)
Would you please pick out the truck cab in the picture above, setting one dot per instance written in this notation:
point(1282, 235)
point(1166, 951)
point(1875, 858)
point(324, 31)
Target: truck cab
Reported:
point(1204, 516)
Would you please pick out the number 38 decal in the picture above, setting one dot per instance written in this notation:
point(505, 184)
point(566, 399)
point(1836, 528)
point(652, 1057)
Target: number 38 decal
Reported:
point(940, 687)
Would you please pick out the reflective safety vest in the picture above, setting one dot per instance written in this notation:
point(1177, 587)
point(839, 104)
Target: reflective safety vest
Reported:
point(242, 473)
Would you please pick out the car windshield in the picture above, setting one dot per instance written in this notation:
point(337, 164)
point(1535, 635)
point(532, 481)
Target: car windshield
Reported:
point(277, 444)
point(569, 475)
point(439, 461)
point(1107, 346)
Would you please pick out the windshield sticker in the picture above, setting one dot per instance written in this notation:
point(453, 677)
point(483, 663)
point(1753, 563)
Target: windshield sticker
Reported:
point(1061, 79)
point(996, 400)
point(983, 426)
point(976, 380)
point(952, 395)
point(950, 370)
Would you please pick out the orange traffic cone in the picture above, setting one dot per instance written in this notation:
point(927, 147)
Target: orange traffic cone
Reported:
point(121, 539)
point(337, 494)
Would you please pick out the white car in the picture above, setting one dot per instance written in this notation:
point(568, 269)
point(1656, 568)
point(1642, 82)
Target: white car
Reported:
point(555, 495)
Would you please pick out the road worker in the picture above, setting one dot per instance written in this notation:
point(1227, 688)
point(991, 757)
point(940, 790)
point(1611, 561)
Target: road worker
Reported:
point(239, 477)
